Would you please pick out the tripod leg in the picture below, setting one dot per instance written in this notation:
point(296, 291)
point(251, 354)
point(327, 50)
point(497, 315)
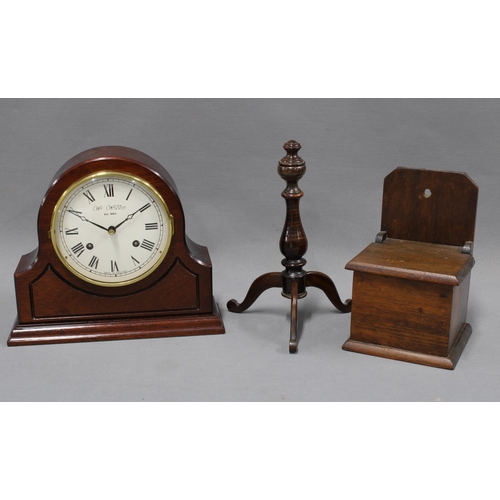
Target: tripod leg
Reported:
point(261, 284)
point(294, 318)
point(323, 282)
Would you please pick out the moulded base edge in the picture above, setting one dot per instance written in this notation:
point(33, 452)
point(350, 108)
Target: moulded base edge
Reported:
point(448, 362)
point(99, 330)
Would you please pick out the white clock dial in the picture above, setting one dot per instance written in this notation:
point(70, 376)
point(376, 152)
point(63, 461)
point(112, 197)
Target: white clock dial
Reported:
point(111, 229)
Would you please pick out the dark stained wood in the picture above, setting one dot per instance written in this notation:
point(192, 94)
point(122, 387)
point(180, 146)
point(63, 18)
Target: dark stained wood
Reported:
point(120, 329)
point(324, 283)
point(401, 313)
point(56, 306)
point(411, 287)
point(260, 285)
point(414, 260)
point(430, 206)
point(293, 245)
point(294, 298)
point(449, 362)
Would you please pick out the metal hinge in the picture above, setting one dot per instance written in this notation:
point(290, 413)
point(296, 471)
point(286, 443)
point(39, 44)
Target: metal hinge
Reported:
point(468, 247)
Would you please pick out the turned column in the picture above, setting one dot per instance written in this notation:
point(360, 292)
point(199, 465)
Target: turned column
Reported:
point(293, 241)
point(293, 280)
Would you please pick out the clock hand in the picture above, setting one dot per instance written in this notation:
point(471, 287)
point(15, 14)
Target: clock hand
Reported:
point(84, 219)
point(129, 216)
point(123, 221)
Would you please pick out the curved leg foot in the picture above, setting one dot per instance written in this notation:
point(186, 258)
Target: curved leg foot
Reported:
point(293, 321)
point(260, 285)
point(323, 282)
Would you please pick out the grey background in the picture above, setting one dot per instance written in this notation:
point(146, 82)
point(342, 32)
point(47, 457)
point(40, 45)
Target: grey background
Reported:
point(222, 154)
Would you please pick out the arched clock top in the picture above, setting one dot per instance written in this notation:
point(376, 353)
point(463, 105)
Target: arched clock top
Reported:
point(119, 159)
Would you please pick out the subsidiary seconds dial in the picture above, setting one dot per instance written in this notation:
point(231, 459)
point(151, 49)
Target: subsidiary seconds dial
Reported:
point(111, 229)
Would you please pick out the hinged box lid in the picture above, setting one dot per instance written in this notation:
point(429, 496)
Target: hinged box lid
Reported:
point(414, 260)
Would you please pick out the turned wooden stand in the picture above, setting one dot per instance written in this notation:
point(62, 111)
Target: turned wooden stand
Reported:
point(294, 280)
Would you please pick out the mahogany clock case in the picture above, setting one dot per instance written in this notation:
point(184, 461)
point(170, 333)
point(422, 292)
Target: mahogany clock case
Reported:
point(55, 305)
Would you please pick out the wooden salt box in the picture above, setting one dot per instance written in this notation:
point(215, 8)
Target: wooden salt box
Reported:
point(411, 287)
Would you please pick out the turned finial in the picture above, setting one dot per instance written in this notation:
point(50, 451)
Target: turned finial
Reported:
point(292, 167)
point(292, 159)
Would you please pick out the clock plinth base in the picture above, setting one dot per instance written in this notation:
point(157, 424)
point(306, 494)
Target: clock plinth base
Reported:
point(121, 329)
point(447, 362)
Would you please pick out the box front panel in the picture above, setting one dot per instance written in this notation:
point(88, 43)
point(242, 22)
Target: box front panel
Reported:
point(400, 313)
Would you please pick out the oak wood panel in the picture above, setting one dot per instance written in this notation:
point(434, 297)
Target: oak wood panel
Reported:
point(429, 205)
point(401, 313)
point(414, 260)
point(410, 287)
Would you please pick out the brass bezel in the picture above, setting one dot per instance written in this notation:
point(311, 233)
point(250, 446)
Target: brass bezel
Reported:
point(169, 223)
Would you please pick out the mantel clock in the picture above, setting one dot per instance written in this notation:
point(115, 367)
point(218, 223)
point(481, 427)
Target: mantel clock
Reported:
point(113, 260)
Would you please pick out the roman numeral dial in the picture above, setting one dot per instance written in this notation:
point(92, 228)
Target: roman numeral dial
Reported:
point(147, 245)
point(94, 262)
point(109, 190)
point(78, 249)
point(89, 196)
point(111, 229)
